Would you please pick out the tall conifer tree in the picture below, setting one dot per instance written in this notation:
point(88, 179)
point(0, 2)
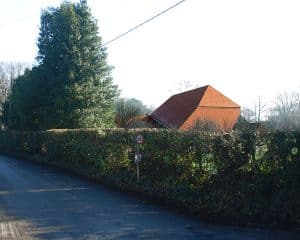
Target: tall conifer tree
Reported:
point(71, 87)
point(74, 63)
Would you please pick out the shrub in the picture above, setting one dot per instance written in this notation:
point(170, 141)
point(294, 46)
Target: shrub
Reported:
point(127, 114)
point(237, 177)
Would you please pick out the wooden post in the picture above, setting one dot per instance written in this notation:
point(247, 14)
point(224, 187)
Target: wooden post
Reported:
point(138, 173)
point(138, 156)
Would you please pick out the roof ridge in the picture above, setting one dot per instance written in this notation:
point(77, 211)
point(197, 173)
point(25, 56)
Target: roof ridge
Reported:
point(234, 104)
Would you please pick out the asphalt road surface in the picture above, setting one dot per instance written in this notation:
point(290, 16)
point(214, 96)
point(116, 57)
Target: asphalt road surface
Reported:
point(38, 202)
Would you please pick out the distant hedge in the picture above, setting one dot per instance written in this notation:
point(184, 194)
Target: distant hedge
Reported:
point(239, 178)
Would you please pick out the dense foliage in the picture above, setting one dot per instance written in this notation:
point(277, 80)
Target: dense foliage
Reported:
point(72, 86)
point(239, 178)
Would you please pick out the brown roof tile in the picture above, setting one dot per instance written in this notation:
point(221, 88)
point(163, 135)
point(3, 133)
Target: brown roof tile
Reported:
point(178, 108)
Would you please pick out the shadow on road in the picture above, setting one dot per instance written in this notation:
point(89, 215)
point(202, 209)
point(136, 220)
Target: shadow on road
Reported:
point(37, 202)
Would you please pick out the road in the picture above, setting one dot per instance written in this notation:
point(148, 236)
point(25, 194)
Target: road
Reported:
point(39, 202)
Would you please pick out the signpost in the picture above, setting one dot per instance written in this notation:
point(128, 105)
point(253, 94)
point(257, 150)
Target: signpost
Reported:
point(138, 156)
point(140, 139)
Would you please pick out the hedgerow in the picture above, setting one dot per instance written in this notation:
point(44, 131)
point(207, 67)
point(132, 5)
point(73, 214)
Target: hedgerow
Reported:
point(240, 178)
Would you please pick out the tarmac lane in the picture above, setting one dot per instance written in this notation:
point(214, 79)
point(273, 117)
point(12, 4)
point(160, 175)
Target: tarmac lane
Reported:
point(40, 202)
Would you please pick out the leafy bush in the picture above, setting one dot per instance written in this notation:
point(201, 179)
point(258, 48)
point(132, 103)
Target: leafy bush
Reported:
point(238, 177)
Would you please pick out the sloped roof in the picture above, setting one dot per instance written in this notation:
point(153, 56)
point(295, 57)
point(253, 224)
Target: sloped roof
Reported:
point(175, 111)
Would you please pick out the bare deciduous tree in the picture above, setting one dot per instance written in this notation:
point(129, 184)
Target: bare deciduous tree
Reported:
point(285, 114)
point(260, 108)
point(248, 114)
point(9, 71)
point(255, 114)
point(206, 126)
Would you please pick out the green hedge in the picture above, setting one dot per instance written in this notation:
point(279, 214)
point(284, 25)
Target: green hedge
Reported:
point(239, 178)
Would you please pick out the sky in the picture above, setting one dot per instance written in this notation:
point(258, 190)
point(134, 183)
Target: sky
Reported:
point(243, 48)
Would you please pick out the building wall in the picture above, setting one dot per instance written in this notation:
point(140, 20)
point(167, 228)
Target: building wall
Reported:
point(223, 117)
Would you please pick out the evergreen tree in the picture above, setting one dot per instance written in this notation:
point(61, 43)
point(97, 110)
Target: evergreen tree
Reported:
point(81, 92)
point(72, 85)
point(25, 107)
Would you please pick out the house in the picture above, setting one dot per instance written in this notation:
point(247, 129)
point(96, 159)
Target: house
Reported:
point(205, 104)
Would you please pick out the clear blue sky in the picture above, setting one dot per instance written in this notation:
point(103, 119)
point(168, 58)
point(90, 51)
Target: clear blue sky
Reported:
point(242, 48)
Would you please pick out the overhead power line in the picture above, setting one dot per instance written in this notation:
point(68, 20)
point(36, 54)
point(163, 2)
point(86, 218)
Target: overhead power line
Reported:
point(143, 23)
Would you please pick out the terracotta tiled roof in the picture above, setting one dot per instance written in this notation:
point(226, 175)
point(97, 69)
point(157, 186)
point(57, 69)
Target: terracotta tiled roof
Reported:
point(178, 108)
